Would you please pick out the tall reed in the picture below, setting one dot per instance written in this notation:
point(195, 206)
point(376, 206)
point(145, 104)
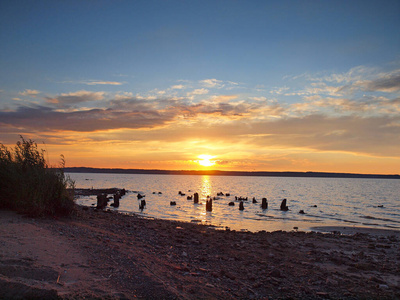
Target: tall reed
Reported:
point(29, 185)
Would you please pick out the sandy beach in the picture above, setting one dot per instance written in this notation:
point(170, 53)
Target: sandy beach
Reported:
point(106, 255)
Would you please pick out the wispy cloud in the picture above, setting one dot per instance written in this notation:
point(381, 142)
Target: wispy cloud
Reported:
point(67, 99)
point(95, 82)
point(31, 93)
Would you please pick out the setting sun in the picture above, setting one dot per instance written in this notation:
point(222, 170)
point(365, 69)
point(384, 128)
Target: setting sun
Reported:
point(206, 160)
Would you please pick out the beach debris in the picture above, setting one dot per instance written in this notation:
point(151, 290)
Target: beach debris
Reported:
point(227, 194)
point(182, 194)
point(284, 207)
point(142, 204)
point(140, 196)
point(314, 205)
point(220, 194)
point(254, 200)
point(196, 198)
point(172, 203)
point(241, 206)
point(209, 205)
point(101, 201)
point(231, 203)
point(264, 203)
point(189, 197)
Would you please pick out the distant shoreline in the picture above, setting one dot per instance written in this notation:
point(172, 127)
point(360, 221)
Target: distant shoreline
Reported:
point(230, 173)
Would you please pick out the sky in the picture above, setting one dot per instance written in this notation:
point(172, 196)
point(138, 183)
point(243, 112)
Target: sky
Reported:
point(192, 85)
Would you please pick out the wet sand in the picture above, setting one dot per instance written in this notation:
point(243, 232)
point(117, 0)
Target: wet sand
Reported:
point(96, 254)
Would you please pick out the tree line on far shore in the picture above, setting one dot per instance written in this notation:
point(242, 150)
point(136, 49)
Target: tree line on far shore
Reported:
point(28, 185)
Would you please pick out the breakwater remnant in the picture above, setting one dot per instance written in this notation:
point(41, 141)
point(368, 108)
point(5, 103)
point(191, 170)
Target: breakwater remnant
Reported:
point(172, 203)
point(231, 204)
point(264, 203)
point(284, 207)
point(254, 200)
point(196, 198)
point(241, 206)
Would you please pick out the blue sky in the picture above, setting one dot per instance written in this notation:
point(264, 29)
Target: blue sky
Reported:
point(76, 73)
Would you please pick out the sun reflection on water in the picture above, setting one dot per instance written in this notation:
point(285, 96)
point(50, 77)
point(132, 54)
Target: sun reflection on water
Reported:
point(206, 189)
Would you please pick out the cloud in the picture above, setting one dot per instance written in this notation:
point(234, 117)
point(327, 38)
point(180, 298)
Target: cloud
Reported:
point(41, 118)
point(212, 83)
point(202, 91)
point(32, 93)
point(65, 100)
point(178, 87)
point(387, 84)
point(97, 82)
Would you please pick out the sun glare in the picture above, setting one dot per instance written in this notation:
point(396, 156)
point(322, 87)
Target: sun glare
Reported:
point(205, 160)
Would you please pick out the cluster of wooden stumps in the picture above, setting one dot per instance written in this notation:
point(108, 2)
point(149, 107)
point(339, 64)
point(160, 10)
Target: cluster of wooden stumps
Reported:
point(102, 198)
point(209, 201)
point(117, 194)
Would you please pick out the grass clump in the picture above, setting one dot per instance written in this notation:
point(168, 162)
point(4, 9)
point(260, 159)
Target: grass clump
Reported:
point(28, 185)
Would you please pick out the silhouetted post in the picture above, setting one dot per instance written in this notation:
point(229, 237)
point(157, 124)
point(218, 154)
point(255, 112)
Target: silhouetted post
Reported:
point(101, 201)
point(196, 198)
point(142, 204)
point(117, 196)
point(241, 206)
point(284, 207)
point(264, 204)
point(209, 205)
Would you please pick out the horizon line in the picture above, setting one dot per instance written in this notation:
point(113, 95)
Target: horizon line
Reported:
point(230, 173)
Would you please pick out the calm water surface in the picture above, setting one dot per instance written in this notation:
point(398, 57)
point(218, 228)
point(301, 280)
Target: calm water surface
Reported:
point(340, 201)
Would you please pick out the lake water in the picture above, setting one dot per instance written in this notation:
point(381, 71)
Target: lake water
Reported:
point(339, 201)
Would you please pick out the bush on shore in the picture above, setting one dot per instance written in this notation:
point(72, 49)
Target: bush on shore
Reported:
point(28, 185)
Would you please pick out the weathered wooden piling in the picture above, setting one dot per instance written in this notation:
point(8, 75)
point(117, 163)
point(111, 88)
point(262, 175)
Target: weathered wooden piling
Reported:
point(241, 206)
point(264, 203)
point(116, 197)
point(101, 201)
point(209, 205)
point(196, 198)
point(142, 204)
point(284, 207)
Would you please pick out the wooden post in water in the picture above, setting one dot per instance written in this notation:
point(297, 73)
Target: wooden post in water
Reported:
point(209, 205)
point(101, 201)
point(264, 204)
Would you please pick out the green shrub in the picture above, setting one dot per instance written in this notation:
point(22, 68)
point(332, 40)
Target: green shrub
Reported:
point(29, 185)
